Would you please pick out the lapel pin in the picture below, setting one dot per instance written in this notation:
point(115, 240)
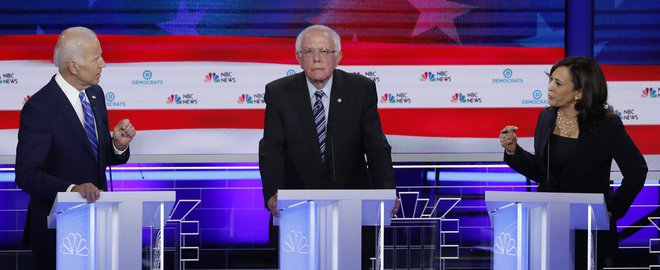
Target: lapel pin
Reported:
point(93, 97)
point(339, 100)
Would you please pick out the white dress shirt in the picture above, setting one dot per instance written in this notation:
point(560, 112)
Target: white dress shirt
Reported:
point(72, 94)
point(326, 95)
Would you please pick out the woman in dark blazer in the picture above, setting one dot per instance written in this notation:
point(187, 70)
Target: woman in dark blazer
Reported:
point(575, 140)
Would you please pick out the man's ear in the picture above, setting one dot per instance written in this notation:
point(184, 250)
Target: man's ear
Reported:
point(299, 58)
point(72, 66)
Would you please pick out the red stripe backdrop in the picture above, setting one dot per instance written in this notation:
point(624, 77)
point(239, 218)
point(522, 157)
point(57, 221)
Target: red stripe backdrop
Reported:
point(475, 123)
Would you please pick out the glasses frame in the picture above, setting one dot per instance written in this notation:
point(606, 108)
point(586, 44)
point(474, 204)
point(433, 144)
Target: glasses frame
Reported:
point(312, 52)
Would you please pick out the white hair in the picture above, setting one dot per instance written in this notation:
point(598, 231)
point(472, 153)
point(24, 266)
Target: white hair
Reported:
point(70, 43)
point(335, 37)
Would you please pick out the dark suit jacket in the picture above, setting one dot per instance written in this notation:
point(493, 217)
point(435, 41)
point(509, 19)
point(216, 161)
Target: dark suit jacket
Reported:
point(589, 169)
point(289, 155)
point(53, 152)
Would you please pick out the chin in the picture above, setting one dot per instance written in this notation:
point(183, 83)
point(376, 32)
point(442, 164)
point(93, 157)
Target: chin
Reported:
point(316, 78)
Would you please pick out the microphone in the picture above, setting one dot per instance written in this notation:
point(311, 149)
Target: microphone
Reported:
point(547, 179)
point(332, 150)
point(110, 172)
point(109, 152)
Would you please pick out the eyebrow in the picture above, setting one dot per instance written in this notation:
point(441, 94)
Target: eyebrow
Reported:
point(553, 78)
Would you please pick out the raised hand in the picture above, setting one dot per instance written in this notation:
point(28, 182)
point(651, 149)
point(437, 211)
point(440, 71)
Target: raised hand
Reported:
point(508, 138)
point(123, 134)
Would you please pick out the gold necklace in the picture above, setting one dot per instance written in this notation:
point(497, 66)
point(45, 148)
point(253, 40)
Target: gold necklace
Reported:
point(569, 125)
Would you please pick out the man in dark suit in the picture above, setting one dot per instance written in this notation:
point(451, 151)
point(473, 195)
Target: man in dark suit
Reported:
point(63, 139)
point(320, 124)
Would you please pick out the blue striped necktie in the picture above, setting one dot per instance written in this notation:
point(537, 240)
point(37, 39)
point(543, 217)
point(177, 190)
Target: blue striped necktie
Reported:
point(90, 127)
point(319, 121)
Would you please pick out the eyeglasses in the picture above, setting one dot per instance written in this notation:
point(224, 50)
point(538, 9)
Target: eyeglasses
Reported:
point(311, 52)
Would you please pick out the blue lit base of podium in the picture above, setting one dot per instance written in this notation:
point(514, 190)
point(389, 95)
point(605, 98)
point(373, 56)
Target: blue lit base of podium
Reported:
point(107, 234)
point(535, 230)
point(322, 229)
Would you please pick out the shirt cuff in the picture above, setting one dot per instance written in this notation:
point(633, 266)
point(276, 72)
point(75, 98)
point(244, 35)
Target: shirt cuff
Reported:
point(117, 151)
point(510, 154)
point(70, 188)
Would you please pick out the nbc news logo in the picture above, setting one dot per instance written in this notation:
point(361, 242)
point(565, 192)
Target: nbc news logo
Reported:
point(439, 76)
point(8, 78)
point(470, 97)
point(399, 98)
point(184, 99)
point(222, 77)
point(251, 99)
point(650, 93)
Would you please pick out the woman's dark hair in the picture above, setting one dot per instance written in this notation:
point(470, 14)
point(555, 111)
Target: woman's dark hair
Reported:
point(587, 76)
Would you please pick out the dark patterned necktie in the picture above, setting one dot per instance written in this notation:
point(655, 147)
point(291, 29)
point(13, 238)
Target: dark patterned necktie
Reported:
point(90, 127)
point(319, 120)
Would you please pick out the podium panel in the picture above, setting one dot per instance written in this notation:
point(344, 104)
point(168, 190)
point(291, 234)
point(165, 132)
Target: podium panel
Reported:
point(75, 239)
point(510, 245)
point(322, 229)
point(536, 230)
point(107, 234)
point(298, 236)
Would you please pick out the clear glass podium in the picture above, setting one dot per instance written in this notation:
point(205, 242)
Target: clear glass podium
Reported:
point(108, 233)
point(322, 229)
point(535, 230)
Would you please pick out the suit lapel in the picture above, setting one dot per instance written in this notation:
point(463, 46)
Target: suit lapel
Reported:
point(585, 142)
point(337, 101)
point(93, 99)
point(546, 129)
point(304, 108)
point(69, 116)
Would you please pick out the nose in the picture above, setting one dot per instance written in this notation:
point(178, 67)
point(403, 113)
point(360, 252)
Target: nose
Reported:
point(102, 63)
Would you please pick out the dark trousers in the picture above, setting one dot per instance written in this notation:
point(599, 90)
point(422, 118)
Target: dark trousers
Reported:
point(43, 249)
point(606, 247)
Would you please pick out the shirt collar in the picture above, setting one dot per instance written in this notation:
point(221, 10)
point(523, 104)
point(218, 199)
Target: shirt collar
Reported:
point(326, 89)
point(71, 92)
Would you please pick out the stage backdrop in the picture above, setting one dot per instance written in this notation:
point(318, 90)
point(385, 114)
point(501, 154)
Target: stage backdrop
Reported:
point(191, 74)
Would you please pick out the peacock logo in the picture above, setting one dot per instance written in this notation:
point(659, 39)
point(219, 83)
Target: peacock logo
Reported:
point(212, 77)
point(74, 244)
point(428, 76)
point(295, 242)
point(245, 99)
point(387, 98)
point(505, 245)
point(458, 97)
point(649, 92)
point(174, 99)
